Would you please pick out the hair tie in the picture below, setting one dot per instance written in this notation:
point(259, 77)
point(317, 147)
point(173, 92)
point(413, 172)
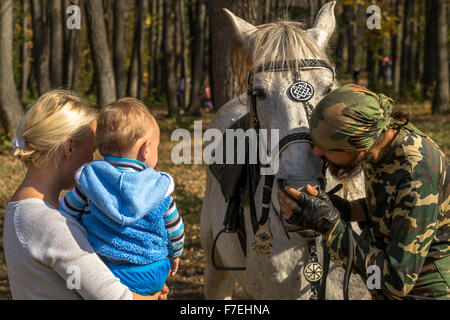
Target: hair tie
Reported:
point(19, 144)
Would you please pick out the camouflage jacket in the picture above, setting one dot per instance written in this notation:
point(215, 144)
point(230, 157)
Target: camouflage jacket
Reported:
point(408, 221)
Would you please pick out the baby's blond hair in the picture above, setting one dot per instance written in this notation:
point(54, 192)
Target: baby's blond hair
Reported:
point(48, 122)
point(121, 124)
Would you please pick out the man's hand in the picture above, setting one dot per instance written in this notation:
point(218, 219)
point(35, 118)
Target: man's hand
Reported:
point(311, 210)
point(288, 204)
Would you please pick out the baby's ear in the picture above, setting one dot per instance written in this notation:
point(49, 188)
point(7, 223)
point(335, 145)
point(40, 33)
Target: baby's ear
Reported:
point(144, 150)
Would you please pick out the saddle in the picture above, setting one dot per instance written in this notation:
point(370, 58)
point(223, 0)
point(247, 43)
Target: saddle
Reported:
point(237, 182)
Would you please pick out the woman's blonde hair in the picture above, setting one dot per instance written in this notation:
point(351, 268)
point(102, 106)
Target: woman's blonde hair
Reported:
point(47, 124)
point(121, 124)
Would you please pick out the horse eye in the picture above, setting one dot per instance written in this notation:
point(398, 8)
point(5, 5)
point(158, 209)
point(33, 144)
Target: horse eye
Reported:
point(259, 93)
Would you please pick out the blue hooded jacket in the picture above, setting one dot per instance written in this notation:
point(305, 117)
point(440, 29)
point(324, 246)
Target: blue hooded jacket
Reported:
point(125, 224)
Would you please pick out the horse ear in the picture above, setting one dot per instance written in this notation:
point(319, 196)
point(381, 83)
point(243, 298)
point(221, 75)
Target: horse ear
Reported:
point(242, 29)
point(324, 25)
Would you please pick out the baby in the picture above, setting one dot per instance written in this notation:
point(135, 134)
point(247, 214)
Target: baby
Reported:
point(125, 205)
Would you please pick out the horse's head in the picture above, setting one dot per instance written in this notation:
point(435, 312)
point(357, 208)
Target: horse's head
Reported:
point(281, 54)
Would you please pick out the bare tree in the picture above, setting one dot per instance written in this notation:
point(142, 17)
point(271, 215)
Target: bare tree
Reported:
point(169, 57)
point(57, 43)
point(397, 64)
point(228, 63)
point(197, 59)
point(157, 79)
point(10, 105)
point(119, 46)
point(100, 51)
point(184, 51)
point(441, 96)
point(25, 52)
point(134, 88)
point(41, 46)
point(350, 17)
point(71, 48)
point(430, 49)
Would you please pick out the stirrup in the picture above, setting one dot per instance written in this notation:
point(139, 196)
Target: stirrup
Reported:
point(213, 259)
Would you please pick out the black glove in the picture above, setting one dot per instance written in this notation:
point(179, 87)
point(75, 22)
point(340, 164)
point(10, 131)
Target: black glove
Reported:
point(341, 204)
point(314, 213)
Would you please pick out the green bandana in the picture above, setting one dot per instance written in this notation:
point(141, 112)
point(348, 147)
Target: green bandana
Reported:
point(350, 118)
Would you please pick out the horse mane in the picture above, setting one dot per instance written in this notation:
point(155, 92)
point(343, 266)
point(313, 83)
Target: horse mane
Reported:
point(283, 42)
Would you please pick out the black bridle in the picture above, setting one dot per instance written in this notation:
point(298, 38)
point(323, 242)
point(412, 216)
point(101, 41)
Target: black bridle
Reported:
point(317, 288)
point(297, 65)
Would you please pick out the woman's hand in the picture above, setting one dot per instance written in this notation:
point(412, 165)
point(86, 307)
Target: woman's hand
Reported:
point(162, 295)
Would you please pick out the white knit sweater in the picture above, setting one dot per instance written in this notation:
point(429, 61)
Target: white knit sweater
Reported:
point(48, 256)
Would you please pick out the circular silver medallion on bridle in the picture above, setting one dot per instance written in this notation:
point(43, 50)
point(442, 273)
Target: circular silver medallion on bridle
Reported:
point(301, 91)
point(313, 272)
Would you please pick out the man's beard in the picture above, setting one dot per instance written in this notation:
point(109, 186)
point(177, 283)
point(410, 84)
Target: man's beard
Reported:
point(351, 169)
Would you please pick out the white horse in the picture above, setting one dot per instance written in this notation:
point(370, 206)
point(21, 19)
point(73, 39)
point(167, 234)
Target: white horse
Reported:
point(279, 274)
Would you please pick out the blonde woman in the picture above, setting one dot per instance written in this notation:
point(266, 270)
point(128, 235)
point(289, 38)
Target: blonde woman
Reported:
point(47, 252)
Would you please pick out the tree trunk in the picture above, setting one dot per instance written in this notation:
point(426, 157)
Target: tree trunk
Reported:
point(100, 51)
point(371, 60)
point(350, 17)
point(397, 64)
point(342, 25)
point(413, 28)
point(119, 46)
point(57, 43)
point(25, 53)
point(10, 105)
point(158, 81)
point(169, 57)
point(72, 40)
point(135, 71)
point(441, 97)
point(197, 60)
point(266, 11)
point(430, 49)
point(184, 52)
point(229, 64)
point(151, 44)
point(41, 47)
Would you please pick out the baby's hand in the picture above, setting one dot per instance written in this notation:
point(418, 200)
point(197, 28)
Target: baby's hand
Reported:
point(174, 266)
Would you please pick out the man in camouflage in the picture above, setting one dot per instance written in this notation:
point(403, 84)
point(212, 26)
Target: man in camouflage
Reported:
point(406, 209)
